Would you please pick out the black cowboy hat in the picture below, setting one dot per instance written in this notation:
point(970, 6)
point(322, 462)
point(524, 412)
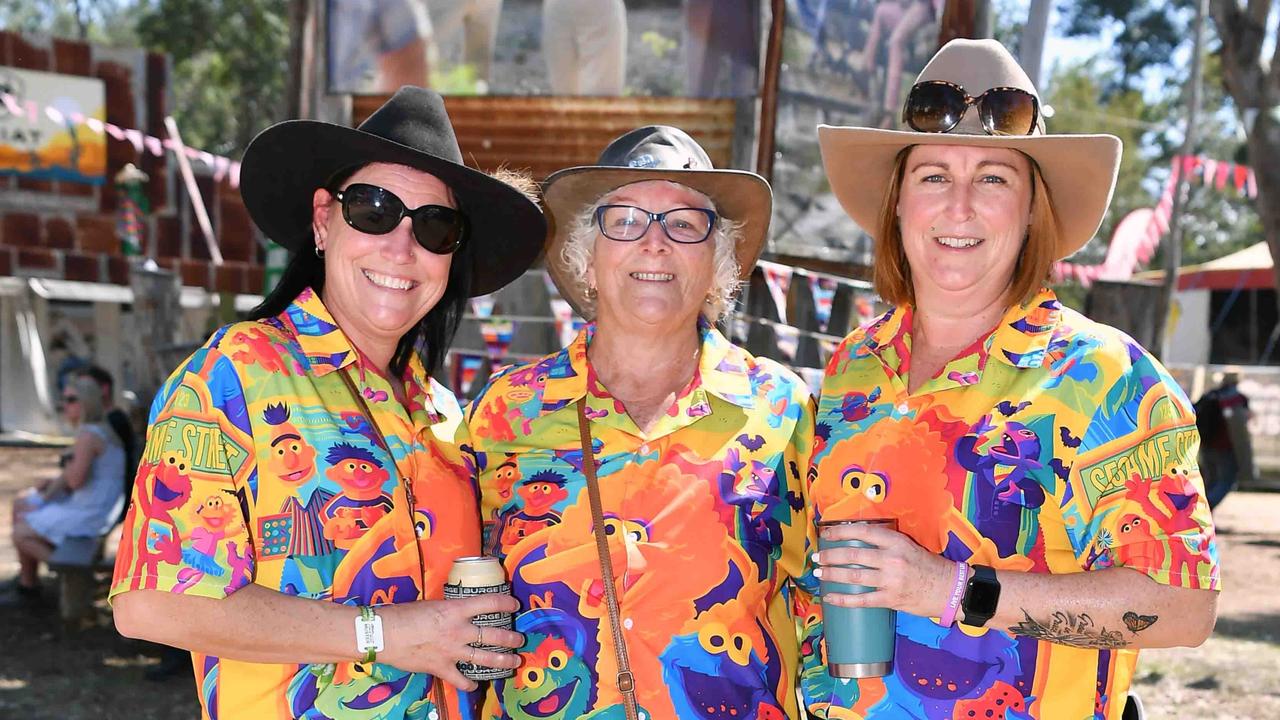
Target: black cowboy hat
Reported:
point(285, 163)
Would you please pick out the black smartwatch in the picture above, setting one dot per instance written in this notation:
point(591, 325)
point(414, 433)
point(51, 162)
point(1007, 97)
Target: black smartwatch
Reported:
point(980, 597)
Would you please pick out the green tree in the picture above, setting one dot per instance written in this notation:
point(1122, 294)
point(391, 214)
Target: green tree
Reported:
point(230, 65)
point(105, 22)
point(1243, 72)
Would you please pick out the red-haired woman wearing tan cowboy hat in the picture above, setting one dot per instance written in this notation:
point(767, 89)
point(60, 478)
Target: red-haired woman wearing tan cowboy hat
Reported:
point(1040, 466)
point(306, 485)
point(699, 450)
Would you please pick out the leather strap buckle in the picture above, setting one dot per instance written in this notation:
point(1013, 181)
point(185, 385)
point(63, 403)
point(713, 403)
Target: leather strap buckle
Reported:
point(626, 682)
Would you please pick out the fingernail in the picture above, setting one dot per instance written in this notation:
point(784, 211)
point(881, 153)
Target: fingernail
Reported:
point(814, 557)
point(817, 572)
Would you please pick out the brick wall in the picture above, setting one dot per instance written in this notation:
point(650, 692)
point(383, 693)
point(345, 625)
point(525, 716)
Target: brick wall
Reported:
point(67, 230)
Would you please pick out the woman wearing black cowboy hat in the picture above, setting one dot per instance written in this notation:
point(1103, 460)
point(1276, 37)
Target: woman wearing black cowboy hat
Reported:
point(304, 480)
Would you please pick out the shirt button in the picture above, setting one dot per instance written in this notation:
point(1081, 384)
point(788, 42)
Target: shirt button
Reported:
point(903, 408)
point(644, 449)
point(626, 623)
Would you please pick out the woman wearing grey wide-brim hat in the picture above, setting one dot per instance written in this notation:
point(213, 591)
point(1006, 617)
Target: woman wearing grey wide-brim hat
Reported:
point(1041, 467)
point(660, 588)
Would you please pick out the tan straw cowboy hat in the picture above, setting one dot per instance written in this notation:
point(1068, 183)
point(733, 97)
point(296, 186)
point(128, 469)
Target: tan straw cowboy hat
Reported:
point(1080, 170)
point(654, 152)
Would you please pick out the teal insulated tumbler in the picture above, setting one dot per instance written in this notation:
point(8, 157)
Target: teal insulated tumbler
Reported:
point(859, 640)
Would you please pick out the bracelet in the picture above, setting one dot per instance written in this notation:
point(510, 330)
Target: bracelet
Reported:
point(368, 634)
point(948, 617)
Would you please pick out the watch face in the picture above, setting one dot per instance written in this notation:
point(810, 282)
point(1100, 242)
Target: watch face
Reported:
point(982, 597)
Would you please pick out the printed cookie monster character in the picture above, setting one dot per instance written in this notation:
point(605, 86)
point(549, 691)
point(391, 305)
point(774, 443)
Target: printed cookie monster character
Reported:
point(357, 691)
point(718, 667)
point(554, 678)
point(935, 667)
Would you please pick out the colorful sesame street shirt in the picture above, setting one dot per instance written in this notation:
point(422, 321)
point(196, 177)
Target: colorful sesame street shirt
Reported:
point(706, 524)
point(261, 467)
point(1054, 445)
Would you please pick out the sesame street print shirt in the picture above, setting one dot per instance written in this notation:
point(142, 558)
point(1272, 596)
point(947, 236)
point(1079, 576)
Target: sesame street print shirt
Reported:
point(705, 521)
point(261, 467)
point(1052, 445)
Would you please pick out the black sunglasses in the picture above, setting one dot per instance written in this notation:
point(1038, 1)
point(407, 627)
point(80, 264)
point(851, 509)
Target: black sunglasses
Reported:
point(937, 106)
point(627, 223)
point(377, 211)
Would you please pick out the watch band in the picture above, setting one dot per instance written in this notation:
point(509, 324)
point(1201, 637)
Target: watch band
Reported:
point(981, 597)
point(368, 634)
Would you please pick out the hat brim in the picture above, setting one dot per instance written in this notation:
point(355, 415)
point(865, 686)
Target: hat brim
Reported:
point(740, 196)
point(287, 162)
point(1079, 170)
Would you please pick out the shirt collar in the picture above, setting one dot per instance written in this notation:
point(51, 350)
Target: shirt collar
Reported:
point(1023, 335)
point(1020, 338)
point(722, 371)
point(325, 348)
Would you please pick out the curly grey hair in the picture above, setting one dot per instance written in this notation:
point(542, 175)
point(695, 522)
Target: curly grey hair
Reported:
point(579, 251)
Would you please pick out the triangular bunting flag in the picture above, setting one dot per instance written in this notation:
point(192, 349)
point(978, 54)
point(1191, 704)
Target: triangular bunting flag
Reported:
point(468, 367)
point(482, 306)
point(778, 278)
point(788, 340)
point(497, 336)
point(562, 312)
point(824, 292)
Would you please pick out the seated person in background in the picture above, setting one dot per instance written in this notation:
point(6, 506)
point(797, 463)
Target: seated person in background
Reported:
point(118, 419)
point(84, 500)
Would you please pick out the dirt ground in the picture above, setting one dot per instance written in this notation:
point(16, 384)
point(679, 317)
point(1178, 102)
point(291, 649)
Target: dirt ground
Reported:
point(49, 672)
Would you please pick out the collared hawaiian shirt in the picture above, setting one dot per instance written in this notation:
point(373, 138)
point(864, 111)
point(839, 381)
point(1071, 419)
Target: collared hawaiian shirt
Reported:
point(261, 467)
point(706, 523)
point(1055, 445)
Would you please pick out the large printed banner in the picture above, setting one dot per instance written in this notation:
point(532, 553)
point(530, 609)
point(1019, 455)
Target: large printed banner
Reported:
point(611, 48)
point(46, 133)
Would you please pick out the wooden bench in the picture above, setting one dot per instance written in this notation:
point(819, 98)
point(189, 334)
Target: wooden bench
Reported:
point(75, 560)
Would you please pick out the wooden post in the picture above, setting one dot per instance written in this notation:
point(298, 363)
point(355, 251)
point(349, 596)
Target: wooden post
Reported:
point(1173, 251)
point(769, 88)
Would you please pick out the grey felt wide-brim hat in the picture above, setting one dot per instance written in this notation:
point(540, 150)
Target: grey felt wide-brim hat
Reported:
point(1080, 170)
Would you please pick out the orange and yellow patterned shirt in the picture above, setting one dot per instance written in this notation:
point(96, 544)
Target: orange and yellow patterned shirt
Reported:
point(261, 467)
point(1054, 445)
point(706, 524)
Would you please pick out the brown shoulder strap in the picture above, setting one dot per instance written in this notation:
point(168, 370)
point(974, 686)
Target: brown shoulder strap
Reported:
point(626, 681)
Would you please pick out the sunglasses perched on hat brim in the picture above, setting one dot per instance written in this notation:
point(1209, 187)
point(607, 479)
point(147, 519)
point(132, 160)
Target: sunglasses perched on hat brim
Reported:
point(377, 211)
point(938, 106)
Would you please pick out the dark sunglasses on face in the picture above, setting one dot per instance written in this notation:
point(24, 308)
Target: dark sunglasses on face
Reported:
point(627, 223)
point(377, 211)
point(937, 106)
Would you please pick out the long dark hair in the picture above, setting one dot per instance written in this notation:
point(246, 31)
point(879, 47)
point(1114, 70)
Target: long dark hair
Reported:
point(429, 338)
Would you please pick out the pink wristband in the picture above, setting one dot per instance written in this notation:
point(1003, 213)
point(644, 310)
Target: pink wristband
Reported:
point(957, 592)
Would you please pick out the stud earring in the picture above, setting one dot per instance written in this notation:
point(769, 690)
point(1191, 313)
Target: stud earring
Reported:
point(319, 252)
point(591, 292)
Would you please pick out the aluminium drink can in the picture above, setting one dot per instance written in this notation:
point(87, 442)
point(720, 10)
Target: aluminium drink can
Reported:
point(472, 576)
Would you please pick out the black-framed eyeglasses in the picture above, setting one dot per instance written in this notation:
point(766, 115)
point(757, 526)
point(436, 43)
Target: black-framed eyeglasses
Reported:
point(377, 211)
point(937, 106)
point(628, 223)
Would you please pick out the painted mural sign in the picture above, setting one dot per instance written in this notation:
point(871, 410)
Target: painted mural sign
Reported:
point(46, 126)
